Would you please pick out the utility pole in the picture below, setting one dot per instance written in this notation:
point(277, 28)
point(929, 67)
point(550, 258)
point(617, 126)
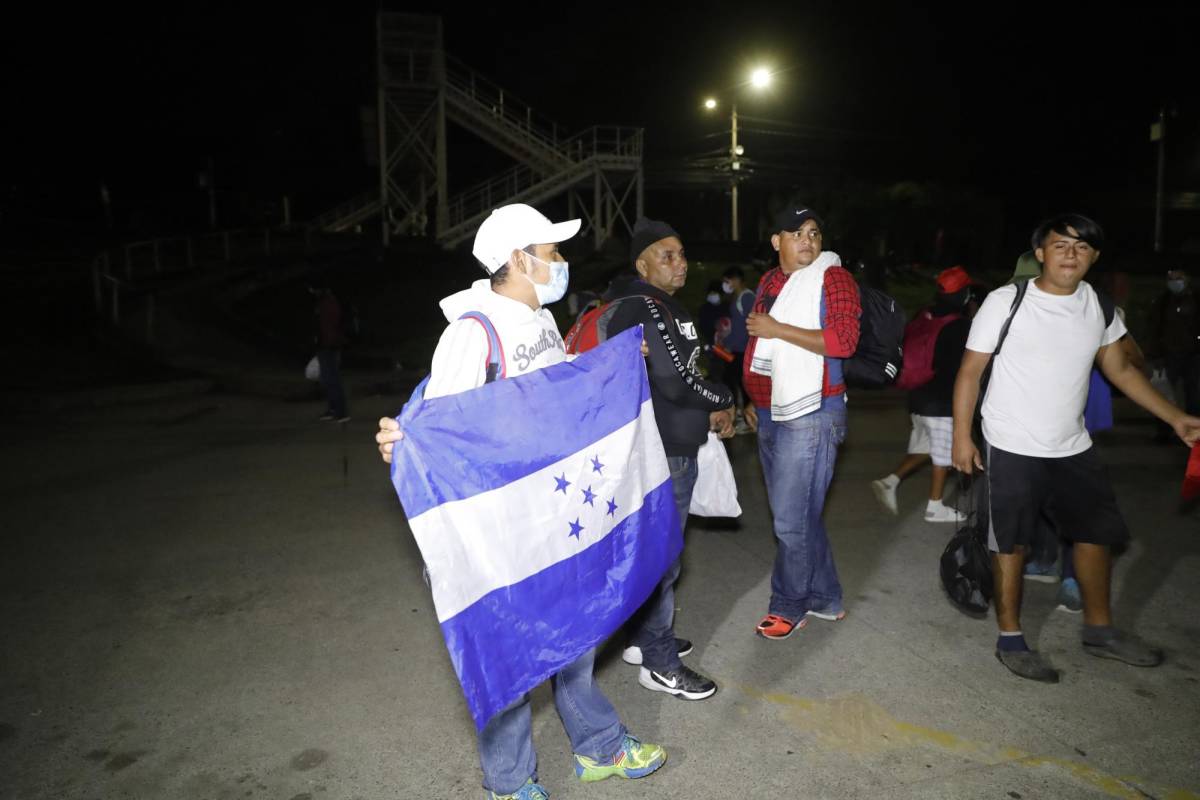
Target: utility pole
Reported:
point(734, 166)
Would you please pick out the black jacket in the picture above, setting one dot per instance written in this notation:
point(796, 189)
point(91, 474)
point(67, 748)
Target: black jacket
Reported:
point(682, 399)
point(1176, 321)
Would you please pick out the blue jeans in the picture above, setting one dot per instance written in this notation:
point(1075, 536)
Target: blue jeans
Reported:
point(653, 625)
point(797, 460)
point(506, 742)
point(331, 381)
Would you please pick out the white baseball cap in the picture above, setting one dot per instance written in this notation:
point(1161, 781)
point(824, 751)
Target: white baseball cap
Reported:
point(515, 227)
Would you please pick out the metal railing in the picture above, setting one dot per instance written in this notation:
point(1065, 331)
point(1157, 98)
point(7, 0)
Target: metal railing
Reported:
point(502, 109)
point(604, 140)
point(130, 267)
point(353, 210)
point(524, 188)
point(599, 142)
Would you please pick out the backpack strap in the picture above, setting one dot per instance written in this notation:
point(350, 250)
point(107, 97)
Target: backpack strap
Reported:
point(1022, 287)
point(986, 378)
point(651, 303)
point(496, 368)
point(1107, 305)
point(738, 303)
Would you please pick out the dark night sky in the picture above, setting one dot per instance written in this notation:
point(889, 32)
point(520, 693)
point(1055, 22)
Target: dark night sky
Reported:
point(1051, 102)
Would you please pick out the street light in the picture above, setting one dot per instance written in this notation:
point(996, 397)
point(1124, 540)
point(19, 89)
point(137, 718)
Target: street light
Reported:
point(760, 78)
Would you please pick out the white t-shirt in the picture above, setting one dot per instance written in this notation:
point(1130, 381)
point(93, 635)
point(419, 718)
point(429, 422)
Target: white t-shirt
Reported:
point(1039, 385)
point(529, 339)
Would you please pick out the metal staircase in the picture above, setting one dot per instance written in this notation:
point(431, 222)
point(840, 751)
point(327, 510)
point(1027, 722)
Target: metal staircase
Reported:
point(420, 89)
point(505, 122)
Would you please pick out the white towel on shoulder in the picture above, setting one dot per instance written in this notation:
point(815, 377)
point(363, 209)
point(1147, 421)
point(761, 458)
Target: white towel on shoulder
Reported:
point(797, 375)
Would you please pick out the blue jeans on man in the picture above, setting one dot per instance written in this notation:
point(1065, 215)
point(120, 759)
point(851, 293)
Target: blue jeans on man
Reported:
point(506, 742)
point(654, 623)
point(798, 457)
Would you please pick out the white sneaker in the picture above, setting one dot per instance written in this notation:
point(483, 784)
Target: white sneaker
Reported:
point(886, 495)
point(944, 514)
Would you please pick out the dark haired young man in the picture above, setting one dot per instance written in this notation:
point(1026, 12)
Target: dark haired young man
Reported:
point(1039, 455)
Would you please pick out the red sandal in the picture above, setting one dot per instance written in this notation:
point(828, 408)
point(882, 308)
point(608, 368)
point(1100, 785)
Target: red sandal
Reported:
point(774, 626)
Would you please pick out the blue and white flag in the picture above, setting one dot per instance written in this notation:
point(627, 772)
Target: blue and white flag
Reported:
point(543, 508)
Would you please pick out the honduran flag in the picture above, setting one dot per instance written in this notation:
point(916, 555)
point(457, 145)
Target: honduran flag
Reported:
point(543, 508)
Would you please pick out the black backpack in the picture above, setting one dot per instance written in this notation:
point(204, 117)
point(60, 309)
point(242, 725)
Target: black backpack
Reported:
point(877, 361)
point(966, 564)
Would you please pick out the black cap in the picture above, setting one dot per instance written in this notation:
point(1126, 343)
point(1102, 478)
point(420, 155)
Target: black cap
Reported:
point(645, 233)
point(791, 218)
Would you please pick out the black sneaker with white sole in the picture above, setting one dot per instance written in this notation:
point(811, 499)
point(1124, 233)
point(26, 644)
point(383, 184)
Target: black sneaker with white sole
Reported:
point(633, 653)
point(682, 682)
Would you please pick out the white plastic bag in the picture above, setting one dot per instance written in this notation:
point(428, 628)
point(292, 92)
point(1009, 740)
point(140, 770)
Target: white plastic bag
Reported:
point(1160, 381)
point(312, 372)
point(715, 494)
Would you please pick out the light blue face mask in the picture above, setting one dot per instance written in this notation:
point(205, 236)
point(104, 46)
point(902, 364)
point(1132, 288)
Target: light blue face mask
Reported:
point(556, 287)
point(1176, 286)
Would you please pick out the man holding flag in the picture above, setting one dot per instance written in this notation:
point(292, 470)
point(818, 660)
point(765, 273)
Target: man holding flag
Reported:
point(538, 546)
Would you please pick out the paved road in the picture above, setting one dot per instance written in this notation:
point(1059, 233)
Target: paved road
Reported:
point(212, 596)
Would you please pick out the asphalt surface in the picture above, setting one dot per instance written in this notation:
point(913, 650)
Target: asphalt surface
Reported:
point(215, 596)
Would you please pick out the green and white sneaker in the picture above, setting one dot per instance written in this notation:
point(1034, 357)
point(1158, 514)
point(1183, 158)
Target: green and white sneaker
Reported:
point(530, 791)
point(633, 760)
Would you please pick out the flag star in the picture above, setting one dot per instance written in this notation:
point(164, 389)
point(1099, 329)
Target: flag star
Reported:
point(597, 466)
point(612, 508)
point(563, 483)
point(589, 496)
point(576, 528)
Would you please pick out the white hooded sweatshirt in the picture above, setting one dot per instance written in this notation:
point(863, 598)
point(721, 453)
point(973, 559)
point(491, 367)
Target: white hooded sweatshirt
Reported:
point(530, 340)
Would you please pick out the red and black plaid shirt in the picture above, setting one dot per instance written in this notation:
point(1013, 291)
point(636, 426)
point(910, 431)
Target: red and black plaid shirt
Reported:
point(840, 310)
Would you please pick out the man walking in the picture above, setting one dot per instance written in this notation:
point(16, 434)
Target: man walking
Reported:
point(331, 338)
point(933, 347)
point(1037, 453)
point(1175, 341)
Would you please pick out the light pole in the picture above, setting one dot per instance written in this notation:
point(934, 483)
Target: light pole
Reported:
point(759, 79)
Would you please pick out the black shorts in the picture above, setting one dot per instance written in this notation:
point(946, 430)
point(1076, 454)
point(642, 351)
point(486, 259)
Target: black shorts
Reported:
point(1074, 491)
